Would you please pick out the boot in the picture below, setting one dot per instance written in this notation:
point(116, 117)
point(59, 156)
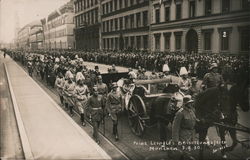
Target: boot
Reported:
point(82, 120)
point(61, 99)
point(71, 110)
point(66, 106)
point(116, 132)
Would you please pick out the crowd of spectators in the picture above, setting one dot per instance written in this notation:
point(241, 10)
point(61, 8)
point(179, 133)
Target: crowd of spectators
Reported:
point(196, 64)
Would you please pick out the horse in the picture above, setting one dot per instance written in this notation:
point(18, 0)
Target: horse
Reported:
point(219, 104)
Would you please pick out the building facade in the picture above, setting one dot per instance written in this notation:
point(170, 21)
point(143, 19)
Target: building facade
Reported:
point(87, 24)
point(36, 37)
point(213, 26)
point(125, 24)
point(58, 28)
point(24, 35)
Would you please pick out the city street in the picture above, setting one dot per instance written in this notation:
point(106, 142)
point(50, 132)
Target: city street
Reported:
point(141, 147)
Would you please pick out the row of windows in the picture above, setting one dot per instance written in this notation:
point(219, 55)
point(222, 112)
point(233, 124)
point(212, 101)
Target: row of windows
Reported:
point(55, 23)
point(225, 8)
point(56, 34)
point(80, 5)
point(88, 18)
point(131, 42)
point(207, 41)
point(128, 22)
point(114, 5)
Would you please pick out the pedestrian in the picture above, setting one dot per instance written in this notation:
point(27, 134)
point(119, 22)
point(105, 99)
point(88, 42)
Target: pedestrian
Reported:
point(95, 104)
point(114, 107)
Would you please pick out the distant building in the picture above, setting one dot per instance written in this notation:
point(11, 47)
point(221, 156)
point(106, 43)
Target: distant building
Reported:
point(23, 35)
point(125, 24)
point(58, 28)
point(87, 24)
point(212, 26)
point(36, 37)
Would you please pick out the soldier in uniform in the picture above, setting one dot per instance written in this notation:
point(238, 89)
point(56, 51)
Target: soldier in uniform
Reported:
point(59, 83)
point(114, 106)
point(184, 122)
point(95, 104)
point(69, 90)
point(183, 129)
point(185, 82)
point(213, 78)
point(81, 95)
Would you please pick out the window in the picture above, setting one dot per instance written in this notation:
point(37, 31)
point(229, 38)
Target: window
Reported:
point(116, 24)
point(115, 5)
point(138, 20)
point(178, 41)
point(111, 25)
point(145, 18)
point(207, 40)
point(107, 24)
point(145, 42)
point(138, 42)
point(121, 23)
point(192, 9)
point(126, 22)
point(167, 41)
point(157, 41)
point(120, 4)
point(224, 40)
point(208, 7)
point(111, 6)
point(178, 11)
point(244, 39)
point(131, 2)
point(225, 6)
point(132, 41)
point(126, 3)
point(132, 20)
point(157, 15)
point(167, 14)
point(245, 4)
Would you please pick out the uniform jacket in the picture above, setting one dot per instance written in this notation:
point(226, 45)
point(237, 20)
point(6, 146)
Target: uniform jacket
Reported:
point(183, 125)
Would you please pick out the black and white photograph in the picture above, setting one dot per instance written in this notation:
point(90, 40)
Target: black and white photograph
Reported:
point(124, 80)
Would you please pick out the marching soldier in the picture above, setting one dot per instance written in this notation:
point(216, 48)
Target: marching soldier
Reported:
point(185, 82)
point(59, 83)
point(213, 78)
point(95, 104)
point(114, 106)
point(69, 89)
point(81, 95)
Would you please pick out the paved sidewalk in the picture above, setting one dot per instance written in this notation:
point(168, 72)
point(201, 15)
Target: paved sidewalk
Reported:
point(51, 134)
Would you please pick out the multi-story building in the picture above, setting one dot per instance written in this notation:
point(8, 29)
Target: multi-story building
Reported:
point(58, 28)
point(216, 26)
point(125, 24)
point(23, 35)
point(36, 37)
point(87, 24)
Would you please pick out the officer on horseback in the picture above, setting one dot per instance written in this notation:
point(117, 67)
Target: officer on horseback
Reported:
point(213, 78)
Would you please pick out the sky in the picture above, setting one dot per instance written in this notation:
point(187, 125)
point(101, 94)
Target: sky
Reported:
point(14, 13)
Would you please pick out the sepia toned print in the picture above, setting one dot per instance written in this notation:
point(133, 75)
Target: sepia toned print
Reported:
point(124, 79)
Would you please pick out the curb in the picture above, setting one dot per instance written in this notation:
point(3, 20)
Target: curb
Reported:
point(24, 139)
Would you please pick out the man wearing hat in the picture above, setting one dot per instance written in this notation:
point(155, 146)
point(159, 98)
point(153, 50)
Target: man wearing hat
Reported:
point(213, 78)
point(95, 105)
point(114, 106)
point(185, 82)
point(184, 122)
